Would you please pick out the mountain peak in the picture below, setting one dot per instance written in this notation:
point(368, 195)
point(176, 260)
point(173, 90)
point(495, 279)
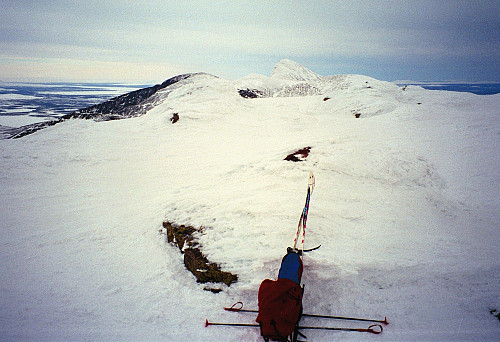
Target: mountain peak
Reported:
point(290, 70)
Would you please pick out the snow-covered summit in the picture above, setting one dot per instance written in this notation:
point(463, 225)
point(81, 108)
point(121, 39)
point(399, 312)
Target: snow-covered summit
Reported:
point(290, 79)
point(289, 70)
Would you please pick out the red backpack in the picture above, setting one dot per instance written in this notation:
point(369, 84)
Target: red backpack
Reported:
point(280, 308)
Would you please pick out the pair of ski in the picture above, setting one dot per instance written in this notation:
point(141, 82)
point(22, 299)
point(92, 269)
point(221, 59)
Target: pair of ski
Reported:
point(374, 328)
point(298, 241)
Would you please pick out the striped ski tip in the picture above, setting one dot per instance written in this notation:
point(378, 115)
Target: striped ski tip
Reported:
point(312, 181)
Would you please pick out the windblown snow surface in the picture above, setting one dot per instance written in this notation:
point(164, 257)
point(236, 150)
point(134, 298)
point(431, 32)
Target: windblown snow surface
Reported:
point(406, 208)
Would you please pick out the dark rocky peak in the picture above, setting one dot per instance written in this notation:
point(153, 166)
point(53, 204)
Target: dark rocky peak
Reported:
point(124, 106)
point(128, 105)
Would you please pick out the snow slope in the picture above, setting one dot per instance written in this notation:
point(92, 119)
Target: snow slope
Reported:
point(406, 208)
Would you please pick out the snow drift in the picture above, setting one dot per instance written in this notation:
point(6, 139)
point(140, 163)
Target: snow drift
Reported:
point(406, 208)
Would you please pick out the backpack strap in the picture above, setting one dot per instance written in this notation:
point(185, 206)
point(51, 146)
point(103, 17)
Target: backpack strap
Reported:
point(273, 323)
point(266, 339)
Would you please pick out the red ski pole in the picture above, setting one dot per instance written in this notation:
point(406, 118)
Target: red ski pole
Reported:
point(374, 329)
point(348, 318)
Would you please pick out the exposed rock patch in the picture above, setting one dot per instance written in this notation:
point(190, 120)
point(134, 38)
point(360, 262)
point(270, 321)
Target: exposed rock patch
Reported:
point(495, 313)
point(356, 113)
point(251, 93)
point(299, 155)
point(174, 118)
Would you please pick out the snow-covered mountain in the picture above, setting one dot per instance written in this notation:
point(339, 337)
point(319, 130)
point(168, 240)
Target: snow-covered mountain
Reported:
point(288, 79)
point(293, 71)
point(406, 208)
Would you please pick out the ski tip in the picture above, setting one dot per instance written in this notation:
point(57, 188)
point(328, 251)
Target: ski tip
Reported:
point(385, 320)
point(207, 323)
point(311, 180)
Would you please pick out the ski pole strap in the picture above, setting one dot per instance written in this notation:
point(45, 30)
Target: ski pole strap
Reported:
point(375, 329)
point(300, 252)
point(235, 307)
point(311, 249)
point(238, 307)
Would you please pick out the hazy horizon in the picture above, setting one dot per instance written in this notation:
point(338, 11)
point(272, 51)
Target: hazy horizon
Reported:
point(125, 41)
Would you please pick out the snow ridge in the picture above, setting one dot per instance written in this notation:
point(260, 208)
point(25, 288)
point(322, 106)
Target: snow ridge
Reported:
point(288, 79)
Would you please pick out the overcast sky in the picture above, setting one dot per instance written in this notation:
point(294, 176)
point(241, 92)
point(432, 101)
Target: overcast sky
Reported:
point(150, 41)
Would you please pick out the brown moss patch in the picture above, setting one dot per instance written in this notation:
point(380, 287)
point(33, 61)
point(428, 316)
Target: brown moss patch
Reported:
point(204, 270)
point(180, 235)
point(195, 261)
